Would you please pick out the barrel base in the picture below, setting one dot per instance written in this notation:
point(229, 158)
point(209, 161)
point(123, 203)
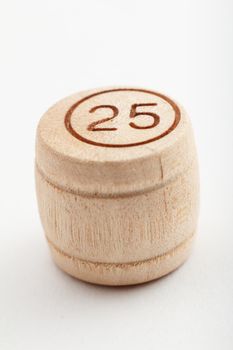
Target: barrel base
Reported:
point(126, 273)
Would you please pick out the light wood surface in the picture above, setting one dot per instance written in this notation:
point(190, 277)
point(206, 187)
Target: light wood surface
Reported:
point(117, 184)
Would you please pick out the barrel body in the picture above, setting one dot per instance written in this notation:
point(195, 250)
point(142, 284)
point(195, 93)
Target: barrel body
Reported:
point(117, 215)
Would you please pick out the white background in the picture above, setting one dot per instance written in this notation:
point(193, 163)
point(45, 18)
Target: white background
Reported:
point(50, 49)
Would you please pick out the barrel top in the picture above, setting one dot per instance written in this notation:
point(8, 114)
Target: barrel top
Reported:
point(111, 132)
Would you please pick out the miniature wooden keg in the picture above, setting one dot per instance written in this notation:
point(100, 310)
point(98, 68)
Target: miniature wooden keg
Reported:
point(117, 185)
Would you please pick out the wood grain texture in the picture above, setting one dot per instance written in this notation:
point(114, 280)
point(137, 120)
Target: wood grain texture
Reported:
point(117, 185)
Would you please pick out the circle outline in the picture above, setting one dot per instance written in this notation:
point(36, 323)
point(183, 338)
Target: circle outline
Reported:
point(71, 130)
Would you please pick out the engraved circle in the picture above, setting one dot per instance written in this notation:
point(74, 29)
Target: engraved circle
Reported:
point(73, 132)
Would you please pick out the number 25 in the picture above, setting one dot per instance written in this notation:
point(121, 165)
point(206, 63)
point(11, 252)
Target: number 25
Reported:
point(133, 114)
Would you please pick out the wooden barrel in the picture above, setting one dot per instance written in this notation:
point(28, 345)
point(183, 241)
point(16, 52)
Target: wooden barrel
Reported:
point(117, 184)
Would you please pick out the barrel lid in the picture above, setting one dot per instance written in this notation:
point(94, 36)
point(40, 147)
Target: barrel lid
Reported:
point(113, 141)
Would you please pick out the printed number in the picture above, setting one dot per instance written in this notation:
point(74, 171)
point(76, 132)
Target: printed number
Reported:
point(133, 114)
point(92, 126)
